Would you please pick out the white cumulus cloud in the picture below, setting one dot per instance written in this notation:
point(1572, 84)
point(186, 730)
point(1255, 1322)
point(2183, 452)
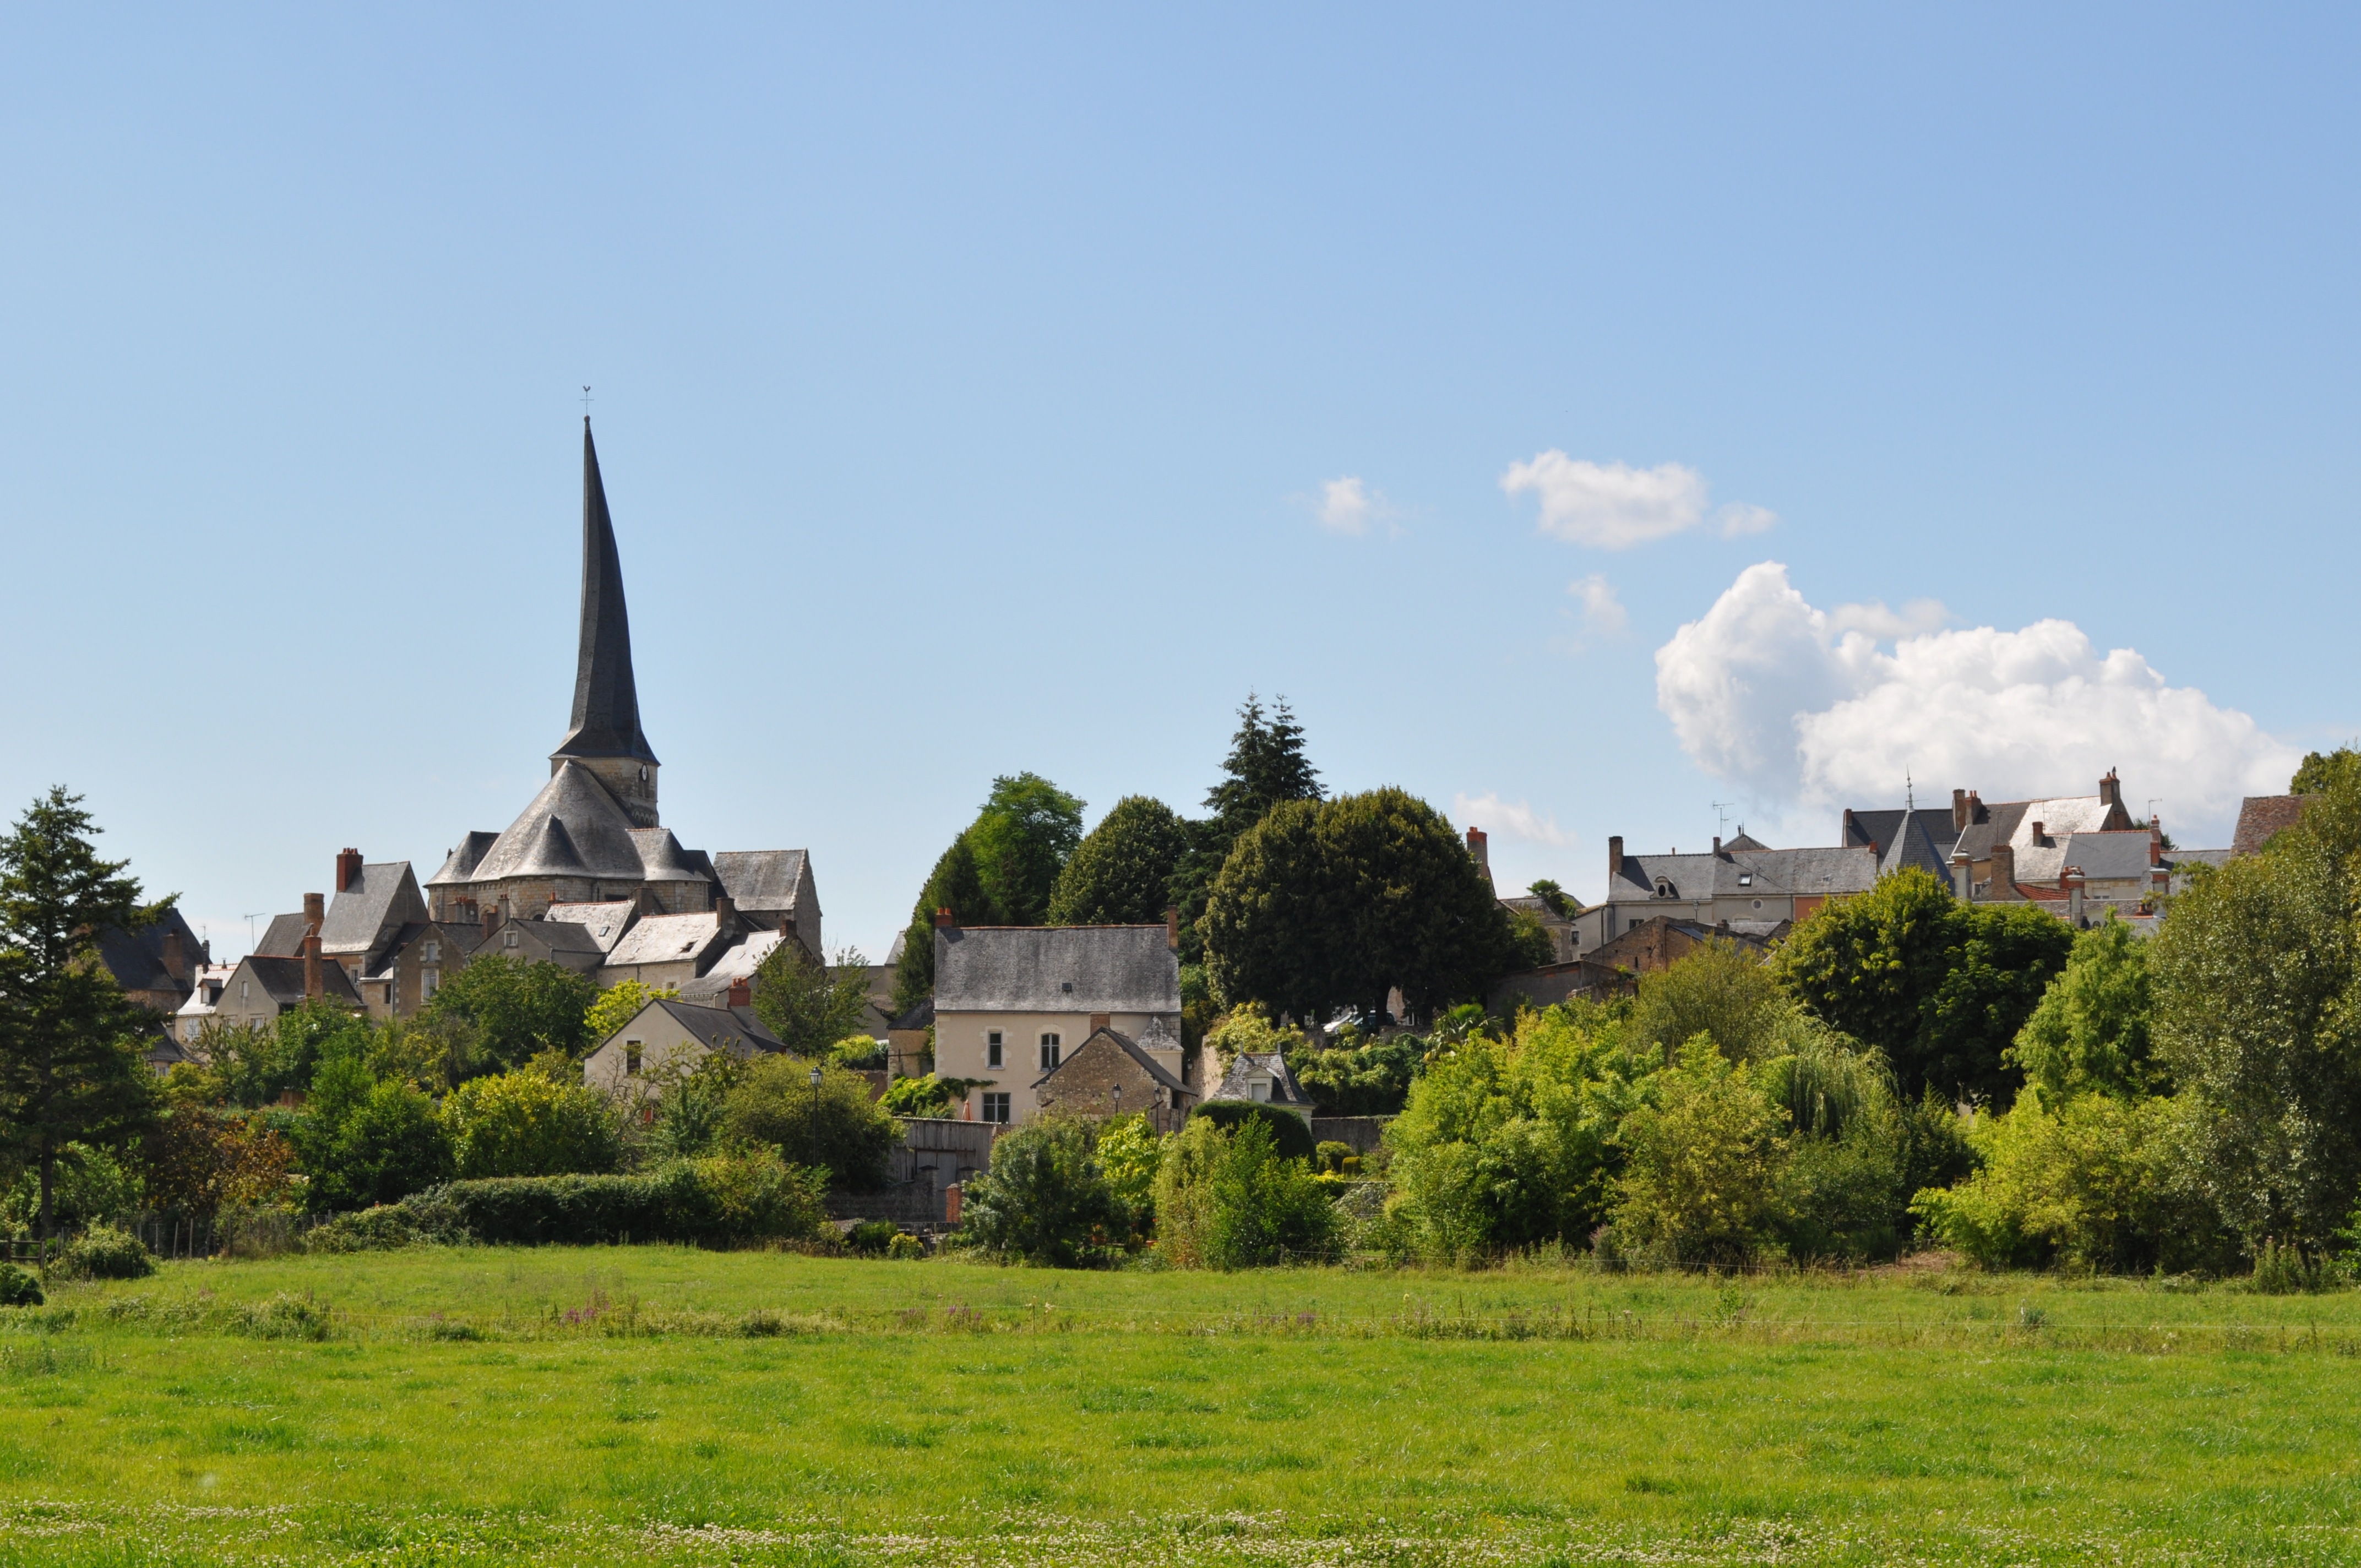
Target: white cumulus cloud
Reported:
point(1493, 815)
point(1601, 611)
point(1832, 708)
point(1609, 505)
point(1348, 506)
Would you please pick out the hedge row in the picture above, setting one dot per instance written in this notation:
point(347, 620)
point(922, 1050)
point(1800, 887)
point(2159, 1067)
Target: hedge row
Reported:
point(716, 1202)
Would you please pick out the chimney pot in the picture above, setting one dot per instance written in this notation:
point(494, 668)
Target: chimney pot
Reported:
point(349, 869)
point(943, 919)
point(740, 993)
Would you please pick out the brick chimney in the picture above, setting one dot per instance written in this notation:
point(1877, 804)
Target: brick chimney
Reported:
point(491, 921)
point(1959, 811)
point(1102, 1020)
point(2154, 841)
point(1716, 845)
point(2003, 871)
point(1172, 926)
point(1614, 857)
point(2037, 834)
point(741, 993)
point(349, 869)
point(2110, 790)
point(176, 957)
point(943, 921)
point(1480, 847)
point(315, 911)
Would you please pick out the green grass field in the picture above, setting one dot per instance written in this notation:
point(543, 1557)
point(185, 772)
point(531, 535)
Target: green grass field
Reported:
point(659, 1404)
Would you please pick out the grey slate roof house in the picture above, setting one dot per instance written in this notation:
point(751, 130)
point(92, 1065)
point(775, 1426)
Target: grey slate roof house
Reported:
point(156, 965)
point(1725, 883)
point(670, 1032)
point(593, 834)
point(1110, 1074)
point(372, 903)
point(1263, 1077)
point(1010, 1001)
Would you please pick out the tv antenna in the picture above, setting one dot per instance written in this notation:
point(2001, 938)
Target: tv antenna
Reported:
point(250, 920)
point(1720, 816)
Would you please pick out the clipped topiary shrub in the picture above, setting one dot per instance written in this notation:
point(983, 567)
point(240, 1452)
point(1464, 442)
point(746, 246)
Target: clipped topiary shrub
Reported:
point(104, 1252)
point(1291, 1135)
point(19, 1288)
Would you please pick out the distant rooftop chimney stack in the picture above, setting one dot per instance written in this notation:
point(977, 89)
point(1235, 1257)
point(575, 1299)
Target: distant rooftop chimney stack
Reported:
point(1615, 857)
point(1172, 926)
point(741, 993)
point(1716, 844)
point(1480, 847)
point(1959, 811)
point(349, 869)
point(1963, 876)
point(314, 903)
point(2154, 841)
point(943, 920)
point(2036, 834)
point(2111, 789)
point(725, 909)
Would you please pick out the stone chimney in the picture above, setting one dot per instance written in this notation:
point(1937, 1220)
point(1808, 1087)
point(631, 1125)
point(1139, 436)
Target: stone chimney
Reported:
point(1480, 847)
point(176, 956)
point(314, 907)
point(349, 869)
point(725, 911)
point(943, 920)
point(1963, 876)
point(1959, 811)
point(1172, 926)
point(2154, 841)
point(741, 993)
point(2073, 884)
point(2003, 871)
point(1614, 857)
point(1716, 845)
point(2111, 789)
point(1844, 831)
point(491, 921)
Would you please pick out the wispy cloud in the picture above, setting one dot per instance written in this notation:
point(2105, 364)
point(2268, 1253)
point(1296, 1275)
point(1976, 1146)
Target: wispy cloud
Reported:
point(1520, 820)
point(1602, 612)
point(1613, 506)
point(1348, 506)
point(1744, 517)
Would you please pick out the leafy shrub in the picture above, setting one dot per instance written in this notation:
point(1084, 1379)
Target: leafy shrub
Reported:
point(90, 1187)
point(1357, 1078)
point(1129, 1152)
point(519, 1125)
point(905, 1248)
point(2095, 1182)
point(284, 1317)
point(717, 1201)
point(1287, 1132)
point(104, 1252)
point(836, 1127)
point(1046, 1199)
point(927, 1096)
point(2284, 1271)
point(1234, 1200)
point(387, 1145)
point(1703, 1163)
point(872, 1237)
point(19, 1288)
point(1338, 1159)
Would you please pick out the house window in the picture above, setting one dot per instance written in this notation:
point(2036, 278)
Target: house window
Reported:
point(1049, 1052)
point(992, 1049)
point(427, 981)
point(996, 1108)
point(432, 953)
point(1665, 889)
point(631, 1058)
point(243, 991)
point(509, 937)
point(1260, 1090)
point(1746, 879)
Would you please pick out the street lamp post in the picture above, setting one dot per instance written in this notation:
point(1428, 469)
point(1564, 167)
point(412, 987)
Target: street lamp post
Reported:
point(811, 1128)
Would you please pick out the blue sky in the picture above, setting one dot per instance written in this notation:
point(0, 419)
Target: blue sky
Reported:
point(975, 389)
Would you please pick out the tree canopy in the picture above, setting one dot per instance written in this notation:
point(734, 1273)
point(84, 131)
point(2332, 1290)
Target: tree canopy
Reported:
point(1122, 873)
point(1266, 767)
point(1000, 870)
point(72, 1065)
point(519, 1007)
point(807, 1006)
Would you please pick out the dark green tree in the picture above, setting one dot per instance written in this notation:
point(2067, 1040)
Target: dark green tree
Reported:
point(2256, 974)
point(806, 1004)
point(363, 1142)
point(1026, 831)
point(1121, 874)
point(2321, 769)
point(2090, 1029)
point(1555, 898)
point(954, 885)
point(519, 1007)
point(72, 1065)
point(1273, 929)
point(1266, 767)
point(1046, 1199)
point(1939, 986)
point(834, 1125)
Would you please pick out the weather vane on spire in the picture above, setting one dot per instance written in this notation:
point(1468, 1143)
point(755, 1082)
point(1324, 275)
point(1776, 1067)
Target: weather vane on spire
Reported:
point(586, 402)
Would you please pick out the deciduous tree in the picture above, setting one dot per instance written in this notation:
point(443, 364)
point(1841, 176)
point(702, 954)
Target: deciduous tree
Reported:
point(1122, 873)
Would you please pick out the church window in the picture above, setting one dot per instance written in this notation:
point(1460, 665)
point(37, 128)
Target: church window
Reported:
point(992, 1049)
point(996, 1108)
point(1050, 1046)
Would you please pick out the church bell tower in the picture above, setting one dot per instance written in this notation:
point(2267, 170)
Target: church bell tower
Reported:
point(606, 737)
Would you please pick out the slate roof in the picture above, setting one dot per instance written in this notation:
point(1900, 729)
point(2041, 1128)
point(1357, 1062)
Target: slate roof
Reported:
point(283, 980)
point(2262, 818)
point(663, 860)
point(135, 959)
point(2011, 822)
point(2108, 857)
point(738, 963)
point(768, 879)
point(560, 939)
point(1745, 840)
point(732, 1030)
point(1247, 1065)
point(921, 1016)
point(1055, 968)
point(606, 922)
point(1781, 873)
point(1903, 836)
point(459, 865)
point(606, 719)
point(283, 937)
point(379, 903)
point(665, 940)
point(1127, 1046)
point(594, 836)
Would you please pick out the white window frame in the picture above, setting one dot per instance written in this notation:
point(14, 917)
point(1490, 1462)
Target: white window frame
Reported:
point(996, 1100)
point(1053, 1047)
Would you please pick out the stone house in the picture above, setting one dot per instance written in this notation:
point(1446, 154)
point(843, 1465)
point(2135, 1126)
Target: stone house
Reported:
point(202, 1002)
point(568, 943)
point(1263, 1077)
point(1743, 882)
point(669, 1036)
point(1010, 1001)
point(1111, 1075)
point(1656, 945)
point(264, 985)
point(2005, 844)
point(156, 965)
point(662, 951)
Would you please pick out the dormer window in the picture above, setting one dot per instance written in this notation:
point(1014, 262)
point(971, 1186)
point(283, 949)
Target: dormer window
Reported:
point(1664, 889)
